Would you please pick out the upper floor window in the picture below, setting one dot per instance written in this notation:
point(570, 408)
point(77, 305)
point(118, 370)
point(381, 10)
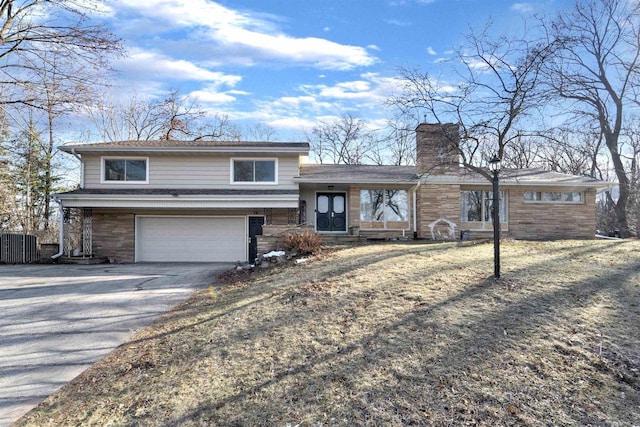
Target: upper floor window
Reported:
point(553, 196)
point(254, 171)
point(132, 170)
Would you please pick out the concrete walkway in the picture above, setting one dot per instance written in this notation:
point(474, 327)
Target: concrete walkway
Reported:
point(57, 320)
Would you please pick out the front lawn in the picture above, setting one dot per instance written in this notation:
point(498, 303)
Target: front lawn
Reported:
point(386, 334)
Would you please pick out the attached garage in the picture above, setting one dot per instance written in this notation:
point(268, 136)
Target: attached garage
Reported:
point(190, 239)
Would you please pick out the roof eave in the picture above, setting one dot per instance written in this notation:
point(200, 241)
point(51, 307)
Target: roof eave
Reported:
point(211, 150)
point(353, 181)
point(179, 201)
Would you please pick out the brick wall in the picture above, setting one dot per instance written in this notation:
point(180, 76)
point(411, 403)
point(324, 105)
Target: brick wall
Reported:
point(435, 202)
point(437, 148)
point(542, 221)
point(354, 207)
point(114, 236)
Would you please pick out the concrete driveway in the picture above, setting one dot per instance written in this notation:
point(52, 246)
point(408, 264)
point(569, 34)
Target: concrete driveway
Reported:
point(57, 320)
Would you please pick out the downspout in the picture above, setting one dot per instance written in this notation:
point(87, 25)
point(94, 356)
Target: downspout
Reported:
point(415, 208)
point(77, 156)
point(61, 227)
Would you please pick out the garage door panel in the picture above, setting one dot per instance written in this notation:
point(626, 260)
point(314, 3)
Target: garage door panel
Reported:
point(191, 239)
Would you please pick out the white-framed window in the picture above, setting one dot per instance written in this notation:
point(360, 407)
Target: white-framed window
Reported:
point(254, 171)
point(475, 206)
point(553, 196)
point(126, 170)
point(384, 205)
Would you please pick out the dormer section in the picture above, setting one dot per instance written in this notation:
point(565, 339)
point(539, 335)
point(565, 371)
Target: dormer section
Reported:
point(437, 149)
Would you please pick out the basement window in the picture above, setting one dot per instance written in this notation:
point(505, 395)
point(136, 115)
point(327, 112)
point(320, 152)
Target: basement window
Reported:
point(125, 170)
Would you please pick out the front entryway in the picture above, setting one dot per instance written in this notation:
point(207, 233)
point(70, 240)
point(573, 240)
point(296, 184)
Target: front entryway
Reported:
point(255, 229)
point(331, 212)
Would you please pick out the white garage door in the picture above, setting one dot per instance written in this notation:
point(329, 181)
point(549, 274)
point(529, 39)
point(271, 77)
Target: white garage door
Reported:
point(190, 239)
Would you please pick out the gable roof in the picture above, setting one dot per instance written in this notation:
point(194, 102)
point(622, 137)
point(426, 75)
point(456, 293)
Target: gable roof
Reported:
point(374, 174)
point(173, 146)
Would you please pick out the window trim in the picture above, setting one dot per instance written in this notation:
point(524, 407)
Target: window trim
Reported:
point(103, 179)
point(553, 202)
point(232, 161)
point(485, 225)
point(385, 221)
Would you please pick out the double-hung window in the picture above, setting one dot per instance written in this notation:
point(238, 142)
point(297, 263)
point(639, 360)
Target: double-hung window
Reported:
point(262, 171)
point(133, 170)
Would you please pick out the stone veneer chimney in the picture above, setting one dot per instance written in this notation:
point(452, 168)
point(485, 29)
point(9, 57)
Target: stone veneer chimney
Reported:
point(437, 149)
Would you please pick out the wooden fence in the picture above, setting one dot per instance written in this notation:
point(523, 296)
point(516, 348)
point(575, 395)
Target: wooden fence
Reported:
point(18, 249)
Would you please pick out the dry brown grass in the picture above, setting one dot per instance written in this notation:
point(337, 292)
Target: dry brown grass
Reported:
point(388, 334)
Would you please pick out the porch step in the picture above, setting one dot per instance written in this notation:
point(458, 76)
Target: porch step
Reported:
point(83, 260)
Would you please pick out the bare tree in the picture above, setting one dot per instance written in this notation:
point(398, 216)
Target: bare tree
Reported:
point(260, 132)
point(491, 91)
point(572, 151)
point(171, 118)
point(342, 141)
point(396, 146)
point(30, 29)
point(596, 72)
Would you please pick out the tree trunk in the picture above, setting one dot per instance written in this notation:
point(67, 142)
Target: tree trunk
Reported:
point(620, 207)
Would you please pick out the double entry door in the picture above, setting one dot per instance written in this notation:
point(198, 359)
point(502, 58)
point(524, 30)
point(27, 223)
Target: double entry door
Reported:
point(331, 212)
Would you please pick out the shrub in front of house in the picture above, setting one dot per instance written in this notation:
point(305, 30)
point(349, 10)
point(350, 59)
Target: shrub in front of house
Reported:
point(304, 243)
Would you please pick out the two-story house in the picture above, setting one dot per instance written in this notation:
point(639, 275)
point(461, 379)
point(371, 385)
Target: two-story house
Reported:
point(162, 201)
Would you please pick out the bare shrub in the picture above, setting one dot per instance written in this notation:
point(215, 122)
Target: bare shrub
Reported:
point(305, 243)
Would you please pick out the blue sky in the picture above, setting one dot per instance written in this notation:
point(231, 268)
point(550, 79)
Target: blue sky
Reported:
point(292, 63)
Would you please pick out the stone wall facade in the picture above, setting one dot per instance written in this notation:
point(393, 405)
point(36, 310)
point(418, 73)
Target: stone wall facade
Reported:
point(114, 232)
point(438, 204)
point(114, 236)
point(548, 221)
point(437, 148)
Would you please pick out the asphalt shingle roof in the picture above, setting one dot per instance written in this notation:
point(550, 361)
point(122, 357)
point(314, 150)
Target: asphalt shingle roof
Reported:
point(407, 174)
point(358, 173)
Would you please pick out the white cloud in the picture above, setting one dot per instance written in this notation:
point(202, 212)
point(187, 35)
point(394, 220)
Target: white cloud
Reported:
point(212, 94)
point(431, 51)
point(151, 65)
point(522, 7)
point(291, 123)
point(244, 37)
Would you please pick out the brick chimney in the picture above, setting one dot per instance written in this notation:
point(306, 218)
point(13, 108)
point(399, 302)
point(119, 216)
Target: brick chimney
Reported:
point(437, 149)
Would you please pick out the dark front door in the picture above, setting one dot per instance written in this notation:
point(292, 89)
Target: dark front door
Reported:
point(255, 229)
point(331, 212)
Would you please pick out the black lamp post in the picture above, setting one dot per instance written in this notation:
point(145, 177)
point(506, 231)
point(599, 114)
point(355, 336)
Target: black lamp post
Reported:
point(494, 167)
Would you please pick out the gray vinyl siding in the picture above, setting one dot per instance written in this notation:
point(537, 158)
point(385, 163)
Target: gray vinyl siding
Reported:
point(192, 172)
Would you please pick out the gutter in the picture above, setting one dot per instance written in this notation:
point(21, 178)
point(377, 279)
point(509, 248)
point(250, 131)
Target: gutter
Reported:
point(77, 156)
point(61, 227)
